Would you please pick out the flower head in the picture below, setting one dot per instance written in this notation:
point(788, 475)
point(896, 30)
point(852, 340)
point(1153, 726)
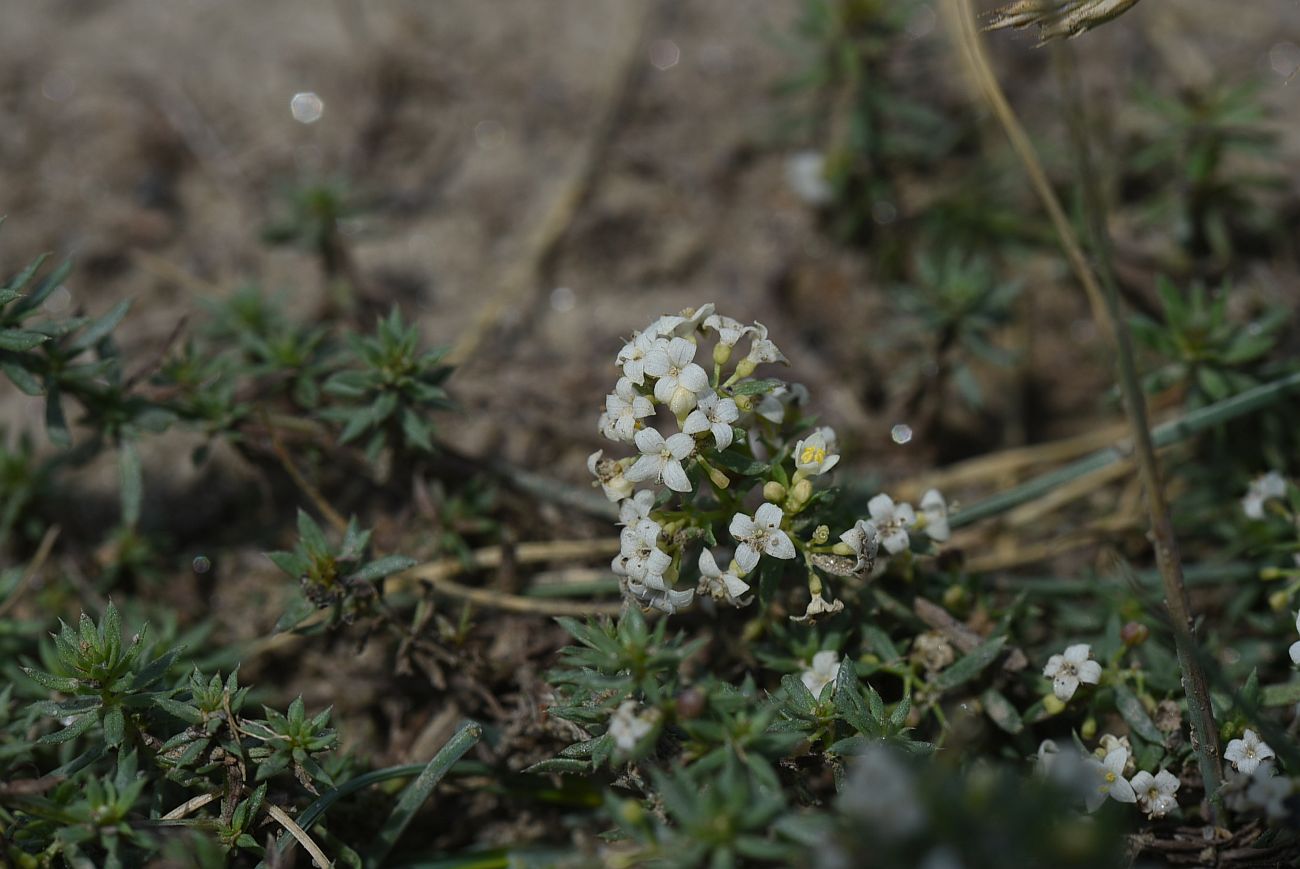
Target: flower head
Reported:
point(825, 668)
point(815, 454)
point(934, 510)
point(1106, 779)
point(1263, 488)
point(719, 585)
point(1248, 752)
point(610, 474)
point(1067, 670)
point(715, 415)
point(891, 521)
point(1155, 793)
point(661, 460)
point(760, 534)
point(761, 349)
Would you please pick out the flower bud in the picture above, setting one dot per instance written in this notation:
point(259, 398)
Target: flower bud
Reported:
point(1279, 601)
point(801, 492)
point(821, 534)
point(631, 812)
point(1089, 728)
point(744, 403)
point(721, 353)
point(1270, 573)
point(1134, 634)
point(773, 491)
point(1053, 705)
point(745, 367)
point(955, 597)
point(719, 479)
point(690, 703)
point(682, 402)
point(844, 549)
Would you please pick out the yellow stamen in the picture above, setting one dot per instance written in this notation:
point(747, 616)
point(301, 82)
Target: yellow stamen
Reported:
point(812, 455)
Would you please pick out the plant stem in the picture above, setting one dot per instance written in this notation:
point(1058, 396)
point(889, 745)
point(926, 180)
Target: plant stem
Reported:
point(1105, 310)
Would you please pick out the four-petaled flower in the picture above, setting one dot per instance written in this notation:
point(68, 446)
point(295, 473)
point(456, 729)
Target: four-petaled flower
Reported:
point(628, 726)
point(714, 415)
point(639, 554)
point(661, 460)
point(624, 408)
point(637, 507)
point(719, 585)
point(892, 521)
point(610, 474)
point(761, 349)
point(633, 355)
point(1069, 669)
point(674, 369)
point(1106, 779)
point(815, 454)
point(656, 594)
point(825, 667)
point(864, 539)
point(935, 511)
point(1248, 752)
point(1155, 793)
point(761, 534)
point(729, 331)
point(818, 607)
point(1263, 488)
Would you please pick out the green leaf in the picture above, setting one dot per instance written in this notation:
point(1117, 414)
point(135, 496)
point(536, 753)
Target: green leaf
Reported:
point(1135, 714)
point(56, 426)
point(132, 495)
point(78, 726)
point(1281, 695)
point(755, 387)
point(114, 726)
point(18, 340)
point(1000, 710)
point(52, 682)
point(383, 567)
point(22, 378)
point(740, 463)
point(418, 791)
point(100, 328)
point(969, 666)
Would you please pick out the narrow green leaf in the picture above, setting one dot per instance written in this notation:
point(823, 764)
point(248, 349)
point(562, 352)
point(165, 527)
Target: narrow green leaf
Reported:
point(970, 666)
point(1135, 714)
point(132, 494)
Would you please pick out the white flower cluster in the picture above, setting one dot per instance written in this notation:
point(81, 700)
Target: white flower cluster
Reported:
point(659, 369)
point(1264, 488)
point(714, 413)
point(1109, 773)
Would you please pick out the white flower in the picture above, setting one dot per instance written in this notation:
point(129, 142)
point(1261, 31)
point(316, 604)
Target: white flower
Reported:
point(892, 521)
point(624, 407)
point(633, 355)
point(661, 460)
point(729, 331)
point(805, 172)
point(719, 585)
point(1069, 669)
point(818, 607)
point(654, 593)
point(935, 510)
point(1268, 792)
point(1106, 779)
point(610, 475)
point(864, 539)
point(1248, 752)
point(639, 554)
point(825, 667)
point(761, 349)
point(1295, 647)
point(761, 534)
point(1263, 488)
point(714, 415)
point(674, 369)
point(681, 325)
point(881, 790)
point(772, 405)
point(637, 507)
point(1155, 793)
point(629, 726)
point(814, 454)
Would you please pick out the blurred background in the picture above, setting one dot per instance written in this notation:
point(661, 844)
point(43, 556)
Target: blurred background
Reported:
point(531, 181)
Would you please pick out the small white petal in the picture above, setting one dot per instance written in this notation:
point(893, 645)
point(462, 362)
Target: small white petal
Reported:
point(1077, 653)
point(695, 423)
point(675, 477)
point(1064, 686)
point(693, 378)
point(881, 508)
point(778, 545)
point(769, 515)
point(1090, 672)
point(680, 445)
point(742, 527)
point(747, 557)
point(649, 441)
point(722, 435)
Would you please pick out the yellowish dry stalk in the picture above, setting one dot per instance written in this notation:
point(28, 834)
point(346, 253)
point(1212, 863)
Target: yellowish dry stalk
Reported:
point(1105, 309)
